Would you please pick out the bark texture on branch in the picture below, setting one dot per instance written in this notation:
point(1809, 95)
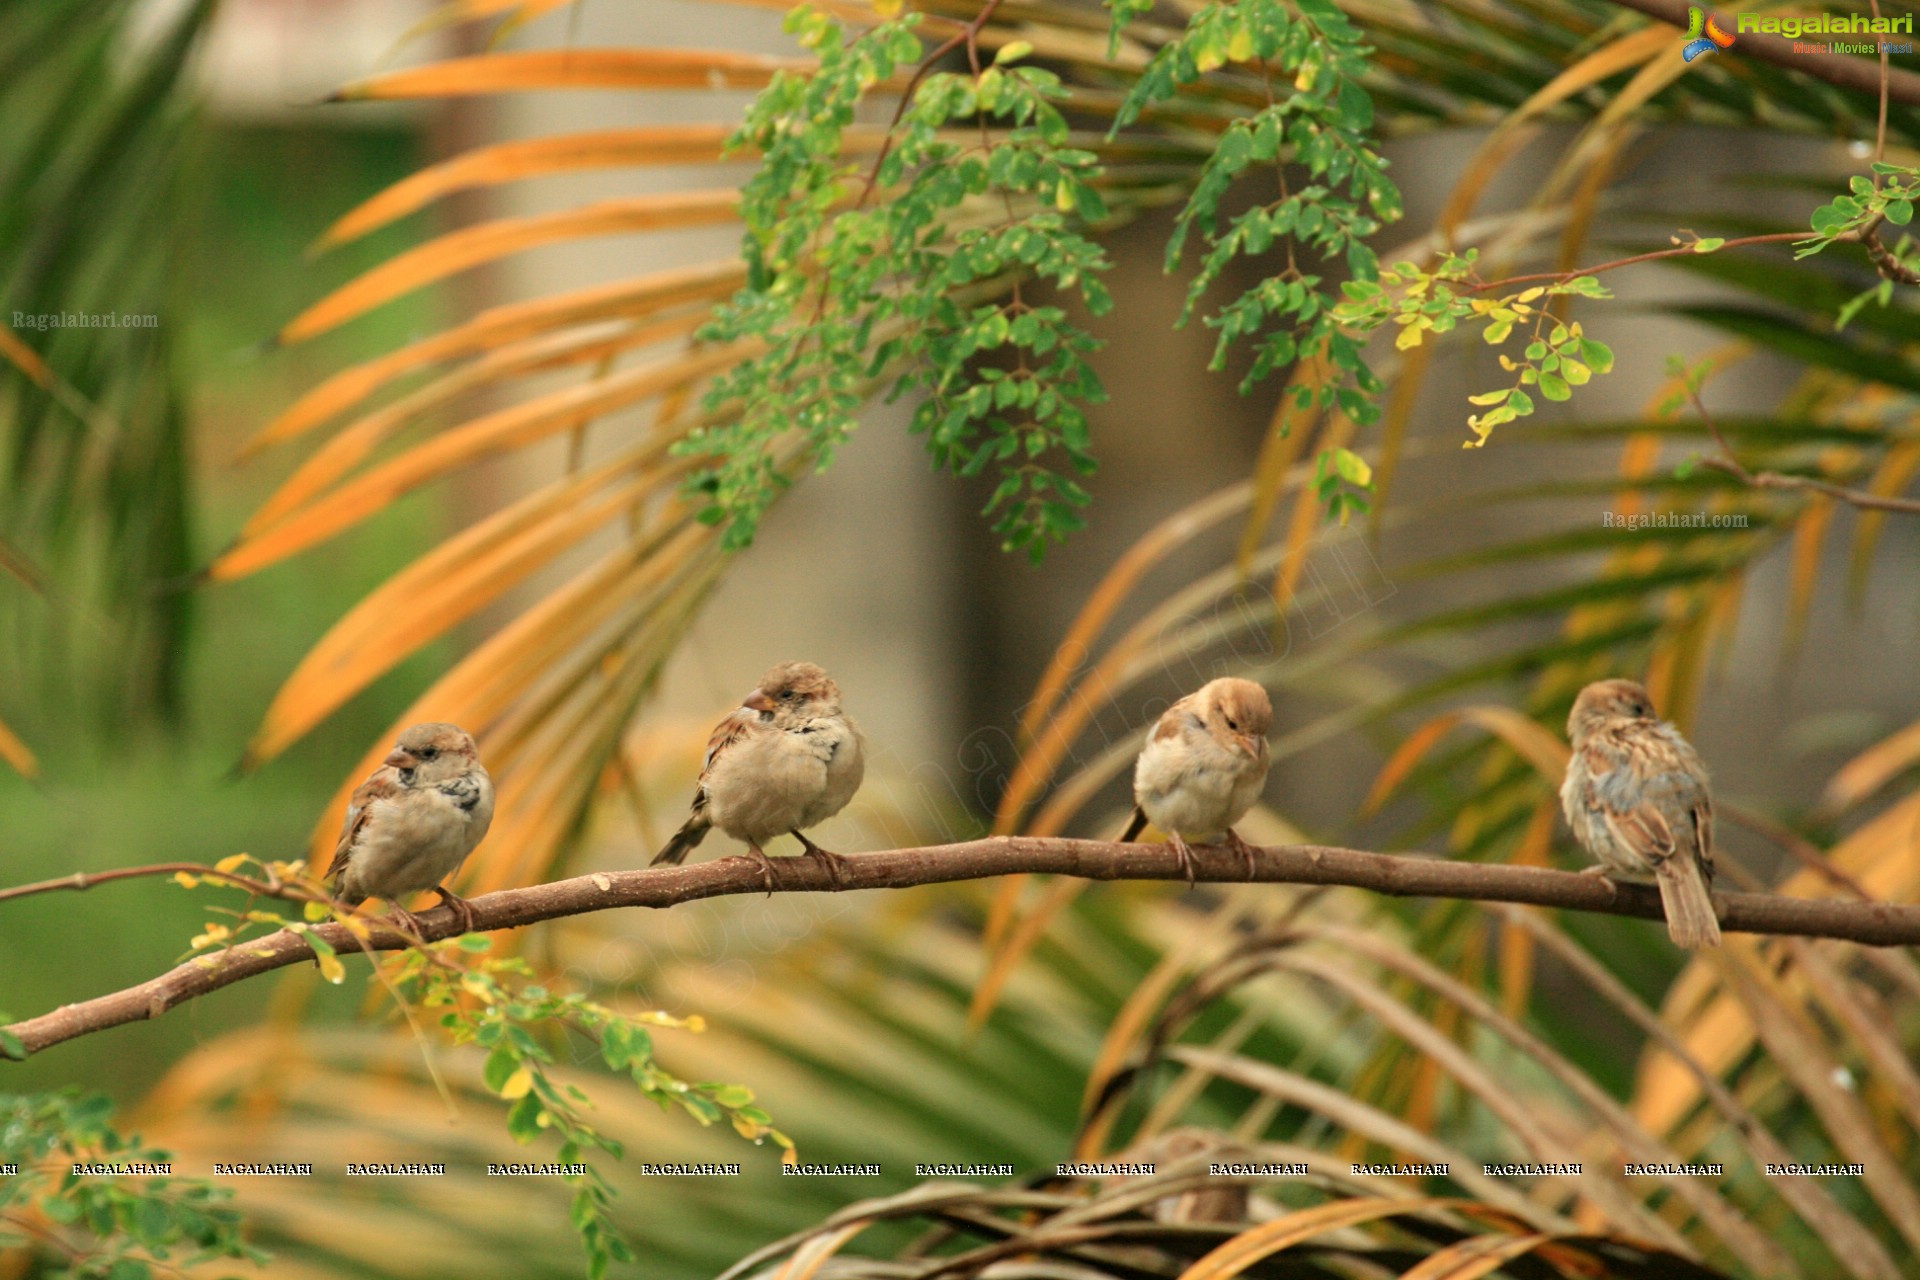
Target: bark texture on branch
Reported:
point(1872, 923)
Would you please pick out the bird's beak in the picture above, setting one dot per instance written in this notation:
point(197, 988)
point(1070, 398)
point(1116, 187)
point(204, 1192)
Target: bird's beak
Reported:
point(758, 701)
point(1249, 744)
point(399, 759)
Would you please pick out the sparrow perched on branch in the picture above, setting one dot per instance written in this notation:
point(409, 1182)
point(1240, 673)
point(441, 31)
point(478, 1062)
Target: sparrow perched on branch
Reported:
point(1636, 798)
point(1204, 765)
point(786, 759)
point(414, 821)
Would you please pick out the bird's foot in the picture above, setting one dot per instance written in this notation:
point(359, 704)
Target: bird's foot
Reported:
point(459, 905)
point(759, 855)
point(405, 922)
point(1241, 847)
point(836, 864)
point(1183, 854)
point(1597, 869)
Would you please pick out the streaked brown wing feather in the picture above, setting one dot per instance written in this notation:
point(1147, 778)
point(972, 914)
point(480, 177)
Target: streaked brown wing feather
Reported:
point(382, 784)
point(725, 734)
point(1174, 719)
point(1646, 829)
point(1643, 830)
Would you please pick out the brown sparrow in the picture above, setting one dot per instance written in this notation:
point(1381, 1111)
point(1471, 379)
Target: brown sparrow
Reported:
point(1204, 765)
point(414, 821)
point(1636, 798)
point(787, 758)
point(1209, 1201)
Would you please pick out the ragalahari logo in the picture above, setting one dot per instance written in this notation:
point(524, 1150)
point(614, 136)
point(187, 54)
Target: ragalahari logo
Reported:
point(1704, 33)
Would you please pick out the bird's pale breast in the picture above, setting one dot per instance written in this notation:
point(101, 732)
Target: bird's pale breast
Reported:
point(1188, 783)
point(772, 781)
point(413, 841)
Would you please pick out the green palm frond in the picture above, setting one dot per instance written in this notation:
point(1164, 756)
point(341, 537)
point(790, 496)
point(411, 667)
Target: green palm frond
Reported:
point(95, 478)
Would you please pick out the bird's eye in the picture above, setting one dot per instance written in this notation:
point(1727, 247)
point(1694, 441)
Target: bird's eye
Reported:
point(1233, 724)
point(786, 695)
point(428, 753)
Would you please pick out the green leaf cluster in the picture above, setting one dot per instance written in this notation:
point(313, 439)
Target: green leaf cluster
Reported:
point(493, 1002)
point(913, 276)
point(1865, 206)
point(1863, 210)
point(1342, 480)
point(101, 1227)
point(1309, 59)
point(1557, 357)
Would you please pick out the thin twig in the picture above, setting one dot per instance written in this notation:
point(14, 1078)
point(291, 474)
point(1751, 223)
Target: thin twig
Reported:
point(1878, 924)
point(80, 881)
point(1732, 466)
point(1885, 260)
point(1678, 251)
point(1880, 127)
point(968, 35)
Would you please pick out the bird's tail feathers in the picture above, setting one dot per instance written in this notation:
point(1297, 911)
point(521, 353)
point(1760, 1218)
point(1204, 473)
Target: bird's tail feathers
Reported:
point(1691, 922)
point(684, 841)
point(1135, 825)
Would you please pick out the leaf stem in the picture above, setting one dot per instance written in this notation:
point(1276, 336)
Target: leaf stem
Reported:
point(1561, 277)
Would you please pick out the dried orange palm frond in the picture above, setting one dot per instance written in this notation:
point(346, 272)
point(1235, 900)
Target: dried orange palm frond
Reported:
point(518, 72)
point(16, 754)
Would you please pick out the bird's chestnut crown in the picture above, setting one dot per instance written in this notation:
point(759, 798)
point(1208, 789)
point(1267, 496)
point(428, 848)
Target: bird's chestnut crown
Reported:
point(1241, 707)
point(794, 684)
point(436, 746)
point(1609, 700)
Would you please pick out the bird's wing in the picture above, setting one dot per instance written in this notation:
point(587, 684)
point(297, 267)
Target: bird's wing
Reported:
point(1178, 718)
point(729, 731)
point(1694, 794)
point(1641, 829)
point(1639, 826)
point(725, 734)
point(381, 784)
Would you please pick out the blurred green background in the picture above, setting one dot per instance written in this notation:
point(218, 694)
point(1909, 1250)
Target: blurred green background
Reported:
point(117, 788)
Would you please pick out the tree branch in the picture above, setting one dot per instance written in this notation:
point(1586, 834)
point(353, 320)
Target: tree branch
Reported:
point(1732, 466)
point(1885, 260)
point(1878, 924)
